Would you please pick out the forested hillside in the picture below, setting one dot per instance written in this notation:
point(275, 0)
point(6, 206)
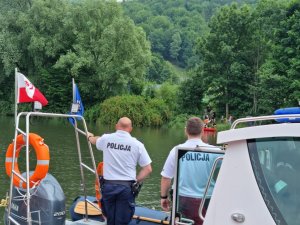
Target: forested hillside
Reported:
point(229, 49)
point(173, 27)
point(162, 58)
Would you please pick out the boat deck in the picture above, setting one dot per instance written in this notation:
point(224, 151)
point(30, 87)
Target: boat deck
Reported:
point(85, 222)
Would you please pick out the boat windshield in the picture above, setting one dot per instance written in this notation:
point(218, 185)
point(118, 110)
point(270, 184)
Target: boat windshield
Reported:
point(193, 171)
point(276, 165)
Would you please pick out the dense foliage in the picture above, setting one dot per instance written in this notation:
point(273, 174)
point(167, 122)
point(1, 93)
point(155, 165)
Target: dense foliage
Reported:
point(174, 26)
point(142, 111)
point(163, 58)
point(53, 41)
point(243, 63)
point(227, 66)
point(281, 72)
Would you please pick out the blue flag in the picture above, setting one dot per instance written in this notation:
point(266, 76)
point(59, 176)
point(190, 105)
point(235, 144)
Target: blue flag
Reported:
point(77, 106)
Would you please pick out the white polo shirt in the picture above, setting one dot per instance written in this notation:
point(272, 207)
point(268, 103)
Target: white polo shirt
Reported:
point(194, 169)
point(121, 154)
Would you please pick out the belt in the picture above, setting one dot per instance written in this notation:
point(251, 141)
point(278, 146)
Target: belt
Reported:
point(126, 183)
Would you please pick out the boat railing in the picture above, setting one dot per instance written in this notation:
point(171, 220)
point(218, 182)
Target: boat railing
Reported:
point(78, 131)
point(212, 172)
point(181, 151)
point(263, 118)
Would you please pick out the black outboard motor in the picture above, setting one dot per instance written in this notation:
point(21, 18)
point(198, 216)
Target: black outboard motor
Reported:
point(47, 203)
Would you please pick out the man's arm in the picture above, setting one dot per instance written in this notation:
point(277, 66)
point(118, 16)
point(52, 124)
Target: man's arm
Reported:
point(164, 190)
point(92, 138)
point(144, 172)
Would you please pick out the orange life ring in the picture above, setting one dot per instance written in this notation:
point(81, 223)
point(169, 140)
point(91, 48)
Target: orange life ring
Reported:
point(42, 155)
point(97, 188)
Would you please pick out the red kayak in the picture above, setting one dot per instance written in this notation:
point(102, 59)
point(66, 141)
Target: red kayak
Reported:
point(210, 129)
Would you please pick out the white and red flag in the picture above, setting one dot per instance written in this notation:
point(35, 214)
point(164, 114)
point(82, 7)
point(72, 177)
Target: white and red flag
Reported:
point(27, 92)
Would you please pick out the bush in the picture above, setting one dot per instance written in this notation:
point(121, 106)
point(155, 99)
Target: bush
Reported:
point(223, 126)
point(169, 93)
point(93, 113)
point(178, 121)
point(6, 107)
point(142, 112)
point(157, 112)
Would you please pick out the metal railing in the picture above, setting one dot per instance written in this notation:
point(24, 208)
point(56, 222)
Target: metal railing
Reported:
point(26, 179)
point(263, 118)
point(205, 149)
point(207, 186)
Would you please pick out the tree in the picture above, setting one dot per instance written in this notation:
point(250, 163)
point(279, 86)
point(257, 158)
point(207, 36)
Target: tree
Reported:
point(109, 52)
point(162, 22)
point(169, 93)
point(91, 40)
point(273, 89)
point(280, 74)
point(31, 38)
point(6, 5)
point(158, 70)
point(190, 95)
point(226, 66)
point(266, 19)
point(175, 46)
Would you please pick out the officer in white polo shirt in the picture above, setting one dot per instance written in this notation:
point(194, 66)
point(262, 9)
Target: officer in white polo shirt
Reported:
point(192, 164)
point(121, 154)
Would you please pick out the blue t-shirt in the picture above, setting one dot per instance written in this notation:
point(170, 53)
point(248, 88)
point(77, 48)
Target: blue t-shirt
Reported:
point(195, 168)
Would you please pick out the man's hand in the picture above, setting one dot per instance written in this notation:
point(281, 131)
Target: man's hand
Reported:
point(164, 189)
point(91, 138)
point(165, 204)
point(90, 134)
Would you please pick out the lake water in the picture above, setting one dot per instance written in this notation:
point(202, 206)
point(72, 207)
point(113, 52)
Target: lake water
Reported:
point(59, 135)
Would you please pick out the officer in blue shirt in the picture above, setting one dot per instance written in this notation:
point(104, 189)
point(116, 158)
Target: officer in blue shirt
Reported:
point(192, 165)
point(121, 154)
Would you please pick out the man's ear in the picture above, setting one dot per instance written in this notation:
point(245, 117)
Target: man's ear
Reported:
point(130, 129)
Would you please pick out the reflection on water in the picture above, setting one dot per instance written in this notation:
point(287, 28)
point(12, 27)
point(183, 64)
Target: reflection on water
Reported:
point(64, 164)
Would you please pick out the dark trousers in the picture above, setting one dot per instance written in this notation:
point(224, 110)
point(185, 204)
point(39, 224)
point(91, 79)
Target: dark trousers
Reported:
point(118, 204)
point(189, 207)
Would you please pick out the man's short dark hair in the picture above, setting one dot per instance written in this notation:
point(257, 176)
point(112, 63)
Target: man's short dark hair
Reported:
point(194, 126)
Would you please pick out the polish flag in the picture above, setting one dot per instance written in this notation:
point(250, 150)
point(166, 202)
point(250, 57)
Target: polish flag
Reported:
point(29, 93)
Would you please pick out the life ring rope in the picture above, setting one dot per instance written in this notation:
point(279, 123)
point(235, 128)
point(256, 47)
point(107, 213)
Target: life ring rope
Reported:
point(42, 155)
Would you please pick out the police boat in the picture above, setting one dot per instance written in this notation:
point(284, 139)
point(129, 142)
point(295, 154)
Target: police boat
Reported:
point(258, 176)
point(290, 110)
point(36, 197)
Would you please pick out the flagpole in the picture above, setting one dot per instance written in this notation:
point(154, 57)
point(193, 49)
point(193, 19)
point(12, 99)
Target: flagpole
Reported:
point(16, 94)
point(73, 88)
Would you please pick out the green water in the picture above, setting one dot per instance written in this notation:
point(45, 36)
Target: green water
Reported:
point(64, 166)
